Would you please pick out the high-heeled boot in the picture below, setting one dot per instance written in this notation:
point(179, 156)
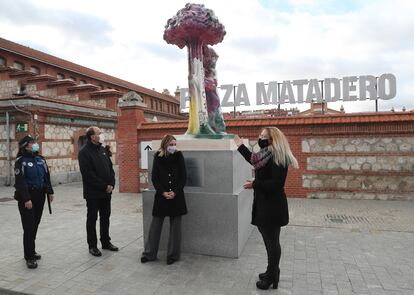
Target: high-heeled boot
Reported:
point(268, 280)
point(266, 273)
point(263, 275)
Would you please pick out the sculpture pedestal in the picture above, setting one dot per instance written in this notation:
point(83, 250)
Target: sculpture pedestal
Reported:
point(219, 208)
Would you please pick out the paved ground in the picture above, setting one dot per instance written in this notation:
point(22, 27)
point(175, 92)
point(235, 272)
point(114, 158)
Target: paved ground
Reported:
point(330, 247)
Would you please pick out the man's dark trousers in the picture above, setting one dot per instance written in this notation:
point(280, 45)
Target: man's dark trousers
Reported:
point(103, 206)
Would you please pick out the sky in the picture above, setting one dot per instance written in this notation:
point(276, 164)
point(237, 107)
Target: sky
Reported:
point(266, 40)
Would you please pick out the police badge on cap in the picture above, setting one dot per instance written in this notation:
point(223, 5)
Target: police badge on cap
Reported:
point(25, 141)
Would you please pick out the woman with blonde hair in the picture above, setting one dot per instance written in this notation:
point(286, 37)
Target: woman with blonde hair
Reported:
point(168, 177)
point(270, 207)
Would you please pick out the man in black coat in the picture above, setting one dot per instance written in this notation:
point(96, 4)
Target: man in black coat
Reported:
point(98, 179)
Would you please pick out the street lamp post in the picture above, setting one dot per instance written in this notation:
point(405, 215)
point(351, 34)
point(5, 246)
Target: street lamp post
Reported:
point(234, 101)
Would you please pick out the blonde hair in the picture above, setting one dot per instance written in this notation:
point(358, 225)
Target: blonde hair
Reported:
point(280, 148)
point(162, 151)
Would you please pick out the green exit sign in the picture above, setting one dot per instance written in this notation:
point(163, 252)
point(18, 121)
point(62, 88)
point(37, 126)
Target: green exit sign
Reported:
point(21, 127)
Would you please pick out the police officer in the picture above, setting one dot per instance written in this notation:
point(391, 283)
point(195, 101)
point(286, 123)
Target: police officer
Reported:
point(32, 183)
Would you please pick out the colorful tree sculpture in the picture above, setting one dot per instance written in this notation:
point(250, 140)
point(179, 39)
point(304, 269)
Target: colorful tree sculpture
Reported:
point(195, 26)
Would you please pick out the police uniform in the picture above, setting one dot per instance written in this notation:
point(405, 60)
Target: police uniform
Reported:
point(32, 182)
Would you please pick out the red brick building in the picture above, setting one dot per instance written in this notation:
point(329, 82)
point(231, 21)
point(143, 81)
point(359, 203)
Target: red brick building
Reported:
point(360, 155)
point(57, 100)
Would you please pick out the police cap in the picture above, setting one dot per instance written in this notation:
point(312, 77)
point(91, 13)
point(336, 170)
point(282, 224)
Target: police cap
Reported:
point(25, 141)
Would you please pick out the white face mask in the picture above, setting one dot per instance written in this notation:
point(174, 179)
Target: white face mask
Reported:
point(101, 138)
point(171, 149)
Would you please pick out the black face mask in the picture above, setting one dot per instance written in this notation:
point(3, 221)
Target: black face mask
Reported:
point(263, 143)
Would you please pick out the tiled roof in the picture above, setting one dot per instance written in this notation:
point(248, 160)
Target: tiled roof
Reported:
point(70, 66)
point(60, 101)
point(380, 117)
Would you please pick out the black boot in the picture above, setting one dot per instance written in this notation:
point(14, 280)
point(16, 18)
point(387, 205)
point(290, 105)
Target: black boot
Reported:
point(31, 263)
point(263, 275)
point(270, 278)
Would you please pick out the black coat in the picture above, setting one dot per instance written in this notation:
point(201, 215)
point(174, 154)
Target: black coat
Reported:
point(270, 207)
point(97, 171)
point(169, 174)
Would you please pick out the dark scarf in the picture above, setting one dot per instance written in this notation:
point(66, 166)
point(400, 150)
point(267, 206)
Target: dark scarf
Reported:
point(261, 158)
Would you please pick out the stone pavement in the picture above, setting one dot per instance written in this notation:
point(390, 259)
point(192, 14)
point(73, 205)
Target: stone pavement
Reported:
point(330, 247)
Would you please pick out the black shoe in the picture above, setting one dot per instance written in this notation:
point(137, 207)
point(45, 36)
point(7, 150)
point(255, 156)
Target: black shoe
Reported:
point(266, 282)
point(110, 247)
point(263, 275)
point(170, 261)
point(144, 259)
point(37, 256)
point(95, 251)
point(31, 263)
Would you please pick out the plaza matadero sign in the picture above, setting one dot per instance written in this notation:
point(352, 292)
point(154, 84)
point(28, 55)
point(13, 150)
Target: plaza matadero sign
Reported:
point(351, 88)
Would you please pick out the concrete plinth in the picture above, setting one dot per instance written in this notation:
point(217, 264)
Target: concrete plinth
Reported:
point(219, 209)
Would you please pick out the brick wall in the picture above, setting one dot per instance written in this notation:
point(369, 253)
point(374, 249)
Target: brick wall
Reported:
point(128, 148)
point(367, 156)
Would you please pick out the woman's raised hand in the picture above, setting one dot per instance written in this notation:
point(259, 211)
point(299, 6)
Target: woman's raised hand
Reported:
point(237, 140)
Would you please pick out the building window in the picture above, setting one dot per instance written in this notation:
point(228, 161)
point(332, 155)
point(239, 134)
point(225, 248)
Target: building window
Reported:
point(18, 65)
point(35, 70)
point(2, 61)
point(60, 76)
point(152, 104)
point(101, 87)
point(81, 82)
point(72, 78)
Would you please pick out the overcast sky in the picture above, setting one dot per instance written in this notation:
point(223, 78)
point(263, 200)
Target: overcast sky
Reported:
point(266, 40)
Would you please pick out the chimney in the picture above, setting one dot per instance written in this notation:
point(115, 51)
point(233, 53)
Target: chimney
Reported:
point(177, 93)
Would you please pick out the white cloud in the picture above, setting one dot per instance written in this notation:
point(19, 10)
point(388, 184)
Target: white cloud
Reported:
point(265, 41)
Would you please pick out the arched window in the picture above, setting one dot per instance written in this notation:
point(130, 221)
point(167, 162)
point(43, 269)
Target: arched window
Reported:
point(60, 76)
point(81, 82)
point(18, 65)
point(2, 61)
point(101, 87)
point(35, 70)
point(72, 78)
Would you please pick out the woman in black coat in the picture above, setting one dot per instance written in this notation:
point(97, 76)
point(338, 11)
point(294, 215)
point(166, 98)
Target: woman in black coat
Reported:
point(168, 177)
point(270, 207)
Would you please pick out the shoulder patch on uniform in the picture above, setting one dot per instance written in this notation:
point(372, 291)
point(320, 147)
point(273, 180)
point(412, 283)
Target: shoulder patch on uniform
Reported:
point(16, 171)
point(30, 164)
